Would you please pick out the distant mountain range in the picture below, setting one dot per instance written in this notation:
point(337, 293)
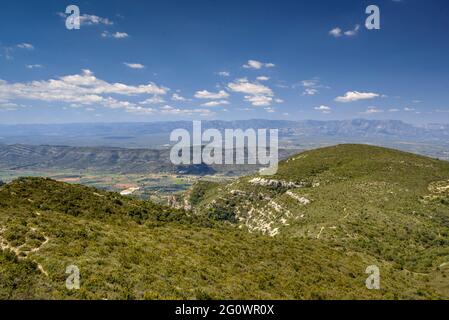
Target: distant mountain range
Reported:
point(108, 160)
point(156, 134)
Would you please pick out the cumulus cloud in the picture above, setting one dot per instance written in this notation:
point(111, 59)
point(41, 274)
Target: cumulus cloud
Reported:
point(323, 109)
point(256, 93)
point(244, 86)
point(254, 64)
point(259, 101)
point(204, 94)
point(83, 89)
point(352, 96)
point(177, 97)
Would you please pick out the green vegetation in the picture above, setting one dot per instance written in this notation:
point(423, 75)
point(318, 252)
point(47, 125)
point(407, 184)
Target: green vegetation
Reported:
point(314, 228)
point(387, 204)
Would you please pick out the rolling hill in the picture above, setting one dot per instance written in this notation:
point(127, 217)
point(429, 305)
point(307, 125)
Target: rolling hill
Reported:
point(309, 232)
point(388, 204)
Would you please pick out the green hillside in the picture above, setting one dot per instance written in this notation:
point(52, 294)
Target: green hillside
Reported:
point(388, 204)
point(307, 233)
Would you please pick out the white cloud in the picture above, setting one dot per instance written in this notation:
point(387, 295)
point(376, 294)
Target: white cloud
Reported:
point(177, 97)
point(336, 32)
point(90, 19)
point(34, 66)
point(120, 35)
point(352, 96)
point(168, 110)
point(323, 109)
point(153, 100)
point(224, 73)
point(26, 46)
point(140, 110)
point(353, 32)
point(259, 101)
point(256, 93)
point(263, 78)
point(393, 110)
point(83, 89)
point(134, 65)
point(310, 91)
point(215, 103)
point(310, 87)
point(244, 86)
point(407, 109)
point(254, 64)
point(116, 35)
point(372, 110)
point(204, 94)
point(309, 83)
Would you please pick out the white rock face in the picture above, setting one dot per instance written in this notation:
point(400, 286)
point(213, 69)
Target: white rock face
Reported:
point(274, 183)
point(302, 200)
point(129, 191)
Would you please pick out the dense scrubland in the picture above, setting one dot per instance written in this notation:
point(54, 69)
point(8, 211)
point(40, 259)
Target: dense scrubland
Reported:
point(308, 232)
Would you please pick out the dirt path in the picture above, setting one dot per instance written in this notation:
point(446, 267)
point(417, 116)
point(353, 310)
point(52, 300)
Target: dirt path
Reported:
point(21, 255)
point(321, 231)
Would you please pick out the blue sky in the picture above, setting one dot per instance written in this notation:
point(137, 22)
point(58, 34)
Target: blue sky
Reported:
point(171, 60)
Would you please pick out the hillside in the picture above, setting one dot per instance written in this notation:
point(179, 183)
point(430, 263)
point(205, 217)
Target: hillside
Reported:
point(385, 203)
point(314, 229)
point(129, 249)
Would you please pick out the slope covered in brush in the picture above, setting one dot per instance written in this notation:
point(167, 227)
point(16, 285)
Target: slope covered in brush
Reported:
point(385, 203)
point(125, 248)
